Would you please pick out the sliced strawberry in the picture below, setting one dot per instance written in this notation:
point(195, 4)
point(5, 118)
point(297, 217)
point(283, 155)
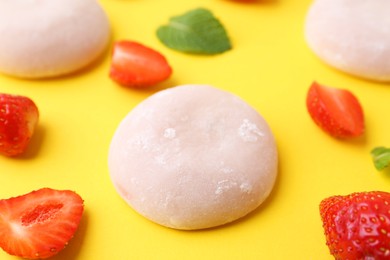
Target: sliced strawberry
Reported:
point(336, 111)
point(135, 65)
point(39, 224)
point(357, 226)
point(18, 118)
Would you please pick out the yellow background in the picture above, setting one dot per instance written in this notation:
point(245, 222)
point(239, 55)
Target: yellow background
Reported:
point(270, 67)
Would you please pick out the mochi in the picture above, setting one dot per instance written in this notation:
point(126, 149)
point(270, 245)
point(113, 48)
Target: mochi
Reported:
point(48, 38)
point(193, 157)
point(352, 36)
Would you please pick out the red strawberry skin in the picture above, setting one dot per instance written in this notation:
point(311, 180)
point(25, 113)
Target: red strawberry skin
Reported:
point(39, 224)
point(337, 111)
point(18, 118)
point(136, 65)
point(357, 226)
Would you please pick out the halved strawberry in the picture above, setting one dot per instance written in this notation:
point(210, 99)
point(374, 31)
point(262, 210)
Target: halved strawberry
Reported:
point(18, 118)
point(336, 111)
point(39, 224)
point(136, 65)
point(357, 226)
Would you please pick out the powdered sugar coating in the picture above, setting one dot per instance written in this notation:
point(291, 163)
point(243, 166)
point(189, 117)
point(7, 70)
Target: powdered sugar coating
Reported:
point(352, 36)
point(45, 38)
point(193, 157)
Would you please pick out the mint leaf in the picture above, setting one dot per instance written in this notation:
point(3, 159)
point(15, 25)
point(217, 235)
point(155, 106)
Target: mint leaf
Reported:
point(196, 31)
point(381, 157)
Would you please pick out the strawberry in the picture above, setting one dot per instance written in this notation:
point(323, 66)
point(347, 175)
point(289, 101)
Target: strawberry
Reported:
point(337, 111)
point(39, 224)
point(357, 226)
point(18, 118)
point(135, 65)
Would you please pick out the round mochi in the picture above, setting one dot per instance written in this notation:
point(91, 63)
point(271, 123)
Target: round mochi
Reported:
point(47, 38)
point(193, 157)
point(352, 36)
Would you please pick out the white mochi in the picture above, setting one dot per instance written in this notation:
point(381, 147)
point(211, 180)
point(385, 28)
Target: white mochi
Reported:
point(47, 38)
point(352, 36)
point(193, 157)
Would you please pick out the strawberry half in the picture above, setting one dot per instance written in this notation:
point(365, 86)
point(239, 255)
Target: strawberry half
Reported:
point(18, 118)
point(357, 226)
point(135, 65)
point(337, 111)
point(39, 224)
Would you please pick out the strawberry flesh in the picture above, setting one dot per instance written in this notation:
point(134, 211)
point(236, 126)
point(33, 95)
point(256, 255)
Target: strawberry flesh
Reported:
point(18, 119)
point(357, 226)
point(136, 65)
point(39, 224)
point(337, 111)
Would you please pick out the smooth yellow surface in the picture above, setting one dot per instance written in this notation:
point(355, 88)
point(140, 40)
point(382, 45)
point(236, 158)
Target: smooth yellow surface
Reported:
point(270, 67)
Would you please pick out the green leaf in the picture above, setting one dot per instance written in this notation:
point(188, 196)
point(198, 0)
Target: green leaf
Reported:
point(196, 31)
point(381, 157)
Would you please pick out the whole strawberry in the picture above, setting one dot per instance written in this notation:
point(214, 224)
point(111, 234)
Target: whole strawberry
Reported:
point(18, 118)
point(357, 226)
